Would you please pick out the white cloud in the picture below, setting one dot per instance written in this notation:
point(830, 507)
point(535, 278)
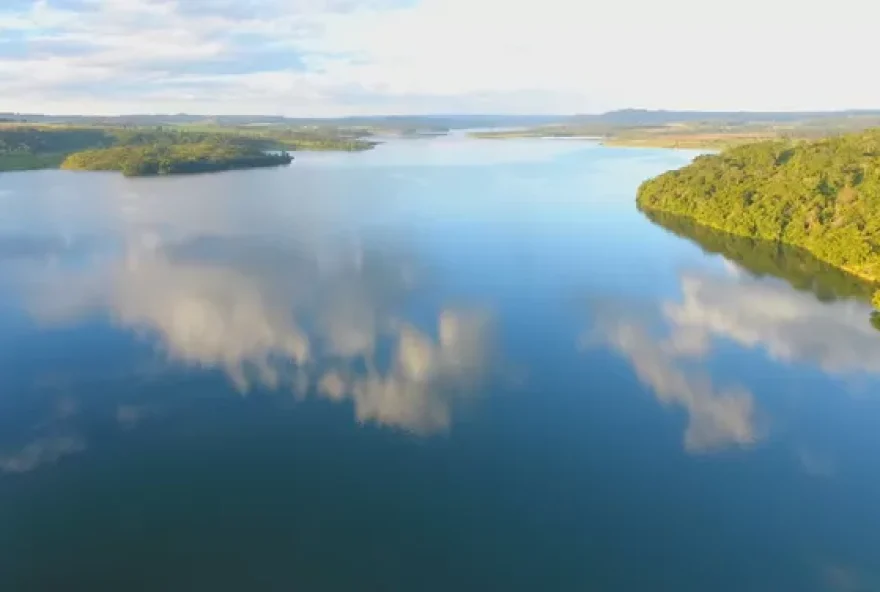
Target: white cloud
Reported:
point(320, 57)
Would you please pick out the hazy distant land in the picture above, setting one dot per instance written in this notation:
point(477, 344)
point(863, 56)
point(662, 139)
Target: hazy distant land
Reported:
point(165, 143)
point(695, 130)
point(163, 149)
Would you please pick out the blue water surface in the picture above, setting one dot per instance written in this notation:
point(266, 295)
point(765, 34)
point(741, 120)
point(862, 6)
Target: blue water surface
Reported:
point(444, 364)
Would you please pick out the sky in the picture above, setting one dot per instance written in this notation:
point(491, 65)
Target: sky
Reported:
point(315, 58)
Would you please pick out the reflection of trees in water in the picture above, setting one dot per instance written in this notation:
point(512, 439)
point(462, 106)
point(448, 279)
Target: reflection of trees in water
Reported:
point(818, 319)
point(669, 345)
point(796, 266)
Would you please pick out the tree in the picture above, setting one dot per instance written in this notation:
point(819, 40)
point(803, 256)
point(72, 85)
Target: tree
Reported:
point(821, 195)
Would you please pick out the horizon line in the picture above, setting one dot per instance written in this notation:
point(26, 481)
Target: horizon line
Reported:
point(449, 114)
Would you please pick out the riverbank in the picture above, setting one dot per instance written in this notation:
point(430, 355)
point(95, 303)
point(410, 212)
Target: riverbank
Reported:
point(634, 139)
point(818, 195)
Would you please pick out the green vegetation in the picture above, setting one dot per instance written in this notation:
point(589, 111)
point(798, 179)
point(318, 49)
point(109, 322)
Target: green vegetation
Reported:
point(821, 195)
point(172, 159)
point(546, 131)
point(761, 258)
point(28, 162)
point(382, 123)
point(28, 146)
point(688, 139)
point(32, 141)
point(703, 131)
point(288, 138)
point(674, 136)
point(325, 144)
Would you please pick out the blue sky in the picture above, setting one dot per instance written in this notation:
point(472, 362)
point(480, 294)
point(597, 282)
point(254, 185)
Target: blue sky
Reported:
point(333, 57)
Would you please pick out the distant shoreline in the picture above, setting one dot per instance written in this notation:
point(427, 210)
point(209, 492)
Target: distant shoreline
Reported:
point(160, 150)
point(681, 141)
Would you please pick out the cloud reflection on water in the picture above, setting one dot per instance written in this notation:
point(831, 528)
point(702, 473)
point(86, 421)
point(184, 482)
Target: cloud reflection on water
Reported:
point(716, 417)
point(426, 376)
point(42, 451)
point(754, 313)
point(790, 326)
point(273, 316)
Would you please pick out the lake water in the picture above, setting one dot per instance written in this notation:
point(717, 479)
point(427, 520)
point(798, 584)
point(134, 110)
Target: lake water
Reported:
point(445, 364)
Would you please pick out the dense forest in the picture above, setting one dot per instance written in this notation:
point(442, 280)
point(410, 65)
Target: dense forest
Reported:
point(822, 195)
point(173, 159)
point(25, 146)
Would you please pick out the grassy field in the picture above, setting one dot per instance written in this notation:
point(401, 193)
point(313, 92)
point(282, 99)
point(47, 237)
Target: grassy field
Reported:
point(683, 140)
point(708, 135)
point(666, 137)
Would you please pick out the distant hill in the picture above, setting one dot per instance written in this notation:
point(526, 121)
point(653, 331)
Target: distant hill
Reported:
point(644, 117)
point(447, 121)
point(619, 118)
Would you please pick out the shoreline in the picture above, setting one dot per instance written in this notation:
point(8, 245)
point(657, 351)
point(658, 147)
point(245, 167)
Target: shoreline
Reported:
point(682, 142)
point(868, 279)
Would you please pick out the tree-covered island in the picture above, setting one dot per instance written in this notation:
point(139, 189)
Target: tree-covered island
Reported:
point(174, 159)
point(160, 150)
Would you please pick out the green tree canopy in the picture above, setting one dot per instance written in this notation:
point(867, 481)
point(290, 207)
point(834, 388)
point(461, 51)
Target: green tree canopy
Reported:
point(171, 159)
point(821, 195)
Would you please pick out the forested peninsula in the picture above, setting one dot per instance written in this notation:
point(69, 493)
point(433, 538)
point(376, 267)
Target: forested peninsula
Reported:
point(160, 150)
point(174, 159)
point(823, 196)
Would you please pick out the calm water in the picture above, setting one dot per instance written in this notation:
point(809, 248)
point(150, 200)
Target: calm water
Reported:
point(446, 364)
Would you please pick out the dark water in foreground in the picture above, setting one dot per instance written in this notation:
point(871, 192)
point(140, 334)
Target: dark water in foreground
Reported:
point(441, 365)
